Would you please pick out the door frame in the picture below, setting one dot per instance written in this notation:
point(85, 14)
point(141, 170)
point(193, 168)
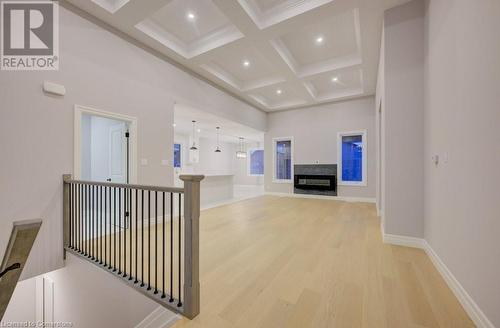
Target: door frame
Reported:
point(132, 123)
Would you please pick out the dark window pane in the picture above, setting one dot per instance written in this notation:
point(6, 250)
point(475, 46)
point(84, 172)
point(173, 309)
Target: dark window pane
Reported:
point(284, 160)
point(257, 161)
point(352, 158)
point(177, 155)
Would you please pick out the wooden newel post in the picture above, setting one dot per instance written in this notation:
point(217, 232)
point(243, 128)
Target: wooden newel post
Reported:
point(66, 200)
point(192, 244)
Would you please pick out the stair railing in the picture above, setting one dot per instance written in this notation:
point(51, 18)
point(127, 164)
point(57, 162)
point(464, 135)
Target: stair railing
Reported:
point(148, 236)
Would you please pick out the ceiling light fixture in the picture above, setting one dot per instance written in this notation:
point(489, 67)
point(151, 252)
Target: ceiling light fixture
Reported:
point(320, 40)
point(199, 130)
point(335, 79)
point(241, 153)
point(191, 16)
point(217, 150)
point(193, 147)
point(278, 92)
point(246, 63)
point(174, 125)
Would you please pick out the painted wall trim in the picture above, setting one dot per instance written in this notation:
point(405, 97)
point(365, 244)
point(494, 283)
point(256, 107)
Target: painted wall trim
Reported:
point(337, 198)
point(468, 303)
point(159, 318)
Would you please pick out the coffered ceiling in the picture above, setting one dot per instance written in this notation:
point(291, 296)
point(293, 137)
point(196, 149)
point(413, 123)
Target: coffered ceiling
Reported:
point(275, 54)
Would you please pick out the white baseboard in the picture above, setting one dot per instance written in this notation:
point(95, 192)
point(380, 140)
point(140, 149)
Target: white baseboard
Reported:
point(159, 318)
point(338, 198)
point(472, 309)
point(403, 240)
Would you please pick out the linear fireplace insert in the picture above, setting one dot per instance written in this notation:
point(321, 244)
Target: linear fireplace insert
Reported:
point(315, 179)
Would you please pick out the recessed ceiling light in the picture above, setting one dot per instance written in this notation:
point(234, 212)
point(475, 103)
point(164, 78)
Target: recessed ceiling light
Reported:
point(174, 125)
point(191, 16)
point(335, 79)
point(199, 130)
point(278, 92)
point(246, 63)
point(320, 40)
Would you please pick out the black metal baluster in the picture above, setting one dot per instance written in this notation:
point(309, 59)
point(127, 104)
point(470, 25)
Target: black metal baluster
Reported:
point(77, 215)
point(149, 239)
point(179, 278)
point(105, 259)
point(70, 215)
point(163, 248)
point(130, 232)
point(96, 223)
point(171, 247)
point(92, 224)
point(84, 210)
point(125, 193)
point(142, 239)
point(86, 219)
point(114, 229)
point(100, 225)
point(136, 237)
point(156, 243)
point(119, 230)
point(80, 219)
point(108, 227)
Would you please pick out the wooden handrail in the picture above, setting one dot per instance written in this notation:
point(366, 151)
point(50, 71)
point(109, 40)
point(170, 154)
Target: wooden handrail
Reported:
point(127, 185)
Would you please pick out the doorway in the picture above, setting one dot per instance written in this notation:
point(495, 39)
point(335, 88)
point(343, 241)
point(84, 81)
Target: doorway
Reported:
point(104, 149)
point(105, 146)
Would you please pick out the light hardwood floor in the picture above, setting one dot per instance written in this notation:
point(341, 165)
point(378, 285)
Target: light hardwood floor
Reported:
point(290, 262)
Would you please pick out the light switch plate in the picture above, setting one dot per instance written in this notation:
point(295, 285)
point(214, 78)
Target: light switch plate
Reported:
point(144, 161)
point(164, 162)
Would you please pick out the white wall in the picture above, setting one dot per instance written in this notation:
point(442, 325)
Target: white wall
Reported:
point(462, 120)
point(84, 295)
point(22, 305)
point(402, 93)
point(36, 131)
point(315, 139)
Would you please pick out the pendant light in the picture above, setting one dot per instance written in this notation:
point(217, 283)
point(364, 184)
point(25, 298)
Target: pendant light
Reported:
point(193, 147)
point(217, 150)
point(241, 153)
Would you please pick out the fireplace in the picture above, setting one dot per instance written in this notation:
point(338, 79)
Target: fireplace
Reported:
point(315, 179)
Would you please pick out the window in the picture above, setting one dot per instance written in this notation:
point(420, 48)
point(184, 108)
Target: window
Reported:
point(352, 155)
point(256, 162)
point(283, 160)
point(177, 155)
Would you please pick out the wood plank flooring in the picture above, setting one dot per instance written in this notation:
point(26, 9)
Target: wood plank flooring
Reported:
point(289, 262)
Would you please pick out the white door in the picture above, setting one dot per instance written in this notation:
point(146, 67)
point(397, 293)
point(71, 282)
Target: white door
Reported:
point(118, 153)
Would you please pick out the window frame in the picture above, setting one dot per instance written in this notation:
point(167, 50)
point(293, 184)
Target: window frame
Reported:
point(364, 181)
point(249, 157)
point(292, 161)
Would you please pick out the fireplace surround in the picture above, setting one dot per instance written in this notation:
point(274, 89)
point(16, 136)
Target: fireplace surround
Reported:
point(315, 179)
